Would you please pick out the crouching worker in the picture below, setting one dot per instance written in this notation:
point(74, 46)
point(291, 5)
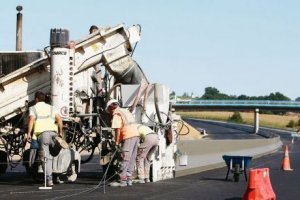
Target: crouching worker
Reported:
point(126, 135)
point(149, 142)
point(42, 127)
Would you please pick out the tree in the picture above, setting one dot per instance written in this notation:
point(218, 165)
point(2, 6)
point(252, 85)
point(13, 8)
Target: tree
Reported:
point(243, 97)
point(185, 94)
point(213, 93)
point(210, 93)
point(291, 124)
point(278, 97)
point(236, 117)
point(297, 99)
point(172, 95)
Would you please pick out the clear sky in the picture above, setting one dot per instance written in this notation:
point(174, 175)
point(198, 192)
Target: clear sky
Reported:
point(249, 47)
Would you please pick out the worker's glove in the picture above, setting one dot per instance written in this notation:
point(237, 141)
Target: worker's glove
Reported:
point(142, 138)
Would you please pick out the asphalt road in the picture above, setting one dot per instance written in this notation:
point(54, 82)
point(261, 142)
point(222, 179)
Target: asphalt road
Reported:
point(206, 185)
point(223, 131)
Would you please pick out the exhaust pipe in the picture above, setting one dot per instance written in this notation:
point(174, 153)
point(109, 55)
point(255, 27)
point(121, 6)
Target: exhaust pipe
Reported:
point(19, 29)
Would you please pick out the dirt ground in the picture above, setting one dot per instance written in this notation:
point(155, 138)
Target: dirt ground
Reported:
point(187, 132)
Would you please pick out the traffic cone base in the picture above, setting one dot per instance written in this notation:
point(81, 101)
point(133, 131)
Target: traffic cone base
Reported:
point(259, 186)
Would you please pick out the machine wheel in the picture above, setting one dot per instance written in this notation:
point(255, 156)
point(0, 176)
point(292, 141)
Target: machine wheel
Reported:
point(89, 156)
point(236, 175)
point(26, 160)
point(38, 177)
point(3, 162)
point(112, 169)
point(151, 173)
point(31, 171)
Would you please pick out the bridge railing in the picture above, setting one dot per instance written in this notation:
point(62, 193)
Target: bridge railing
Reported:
point(239, 102)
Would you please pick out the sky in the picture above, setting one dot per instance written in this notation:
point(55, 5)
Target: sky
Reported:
point(249, 47)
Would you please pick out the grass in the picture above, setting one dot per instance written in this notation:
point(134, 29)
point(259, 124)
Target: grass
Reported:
point(266, 120)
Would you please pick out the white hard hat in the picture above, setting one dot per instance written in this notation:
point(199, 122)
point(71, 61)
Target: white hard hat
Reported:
point(112, 101)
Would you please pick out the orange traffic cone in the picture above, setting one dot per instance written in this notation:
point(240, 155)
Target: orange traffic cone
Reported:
point(286, 160)
point(259, 185)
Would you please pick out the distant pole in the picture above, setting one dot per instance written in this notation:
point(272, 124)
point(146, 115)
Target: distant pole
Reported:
point(19, 29)
point(256, 120)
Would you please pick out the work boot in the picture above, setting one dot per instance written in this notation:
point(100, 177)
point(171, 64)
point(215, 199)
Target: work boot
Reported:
point(57, 180)
point(141, 181)
point(118, 184)
point(129, 182)
point(40, 168)
point(50, 183)
point(114, 184)
point(123, 183)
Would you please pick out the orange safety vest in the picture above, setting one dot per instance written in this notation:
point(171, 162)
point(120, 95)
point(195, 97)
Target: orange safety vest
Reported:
point(129, 128)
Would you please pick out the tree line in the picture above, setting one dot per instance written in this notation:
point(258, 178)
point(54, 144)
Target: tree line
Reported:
point(213, 93)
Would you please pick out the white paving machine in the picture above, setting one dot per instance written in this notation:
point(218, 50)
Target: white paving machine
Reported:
point(79, 77)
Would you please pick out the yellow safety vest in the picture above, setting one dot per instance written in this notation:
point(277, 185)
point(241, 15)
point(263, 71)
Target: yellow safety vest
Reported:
point(44, 119)
point(144, 130)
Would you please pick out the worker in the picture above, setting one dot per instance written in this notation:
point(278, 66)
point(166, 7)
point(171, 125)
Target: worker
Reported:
point(127, 137)
point(42, 127)
point(97, 68)
point(93, 29)
point(149, 142)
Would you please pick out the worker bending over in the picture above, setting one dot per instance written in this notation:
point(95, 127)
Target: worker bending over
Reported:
point(42, 127)
point(149, 142)
point(126, 135)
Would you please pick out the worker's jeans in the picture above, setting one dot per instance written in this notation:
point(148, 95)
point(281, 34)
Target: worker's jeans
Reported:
point(45, 140)
point(129, 152)
point(145, 151)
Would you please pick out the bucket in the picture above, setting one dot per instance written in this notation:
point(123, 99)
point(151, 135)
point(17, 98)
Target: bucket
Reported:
point(183, 160)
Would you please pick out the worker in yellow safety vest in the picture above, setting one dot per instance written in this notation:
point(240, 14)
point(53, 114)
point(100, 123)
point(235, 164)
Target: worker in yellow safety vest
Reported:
point(126, 135)
point(149, 142)
point(42, 127)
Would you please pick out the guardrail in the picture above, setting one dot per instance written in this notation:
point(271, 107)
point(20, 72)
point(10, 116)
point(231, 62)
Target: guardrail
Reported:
point(260, 104)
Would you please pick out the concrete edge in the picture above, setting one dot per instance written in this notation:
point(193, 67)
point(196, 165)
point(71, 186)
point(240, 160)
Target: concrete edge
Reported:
point(265, 149)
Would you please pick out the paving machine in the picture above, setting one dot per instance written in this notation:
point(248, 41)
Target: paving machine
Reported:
point(79, 78)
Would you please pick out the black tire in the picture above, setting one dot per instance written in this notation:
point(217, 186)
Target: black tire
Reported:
point(33, 170)
point(111, 171)
point(3, 162)
point(26, 160)
point(151, 173)
point(236, 175)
